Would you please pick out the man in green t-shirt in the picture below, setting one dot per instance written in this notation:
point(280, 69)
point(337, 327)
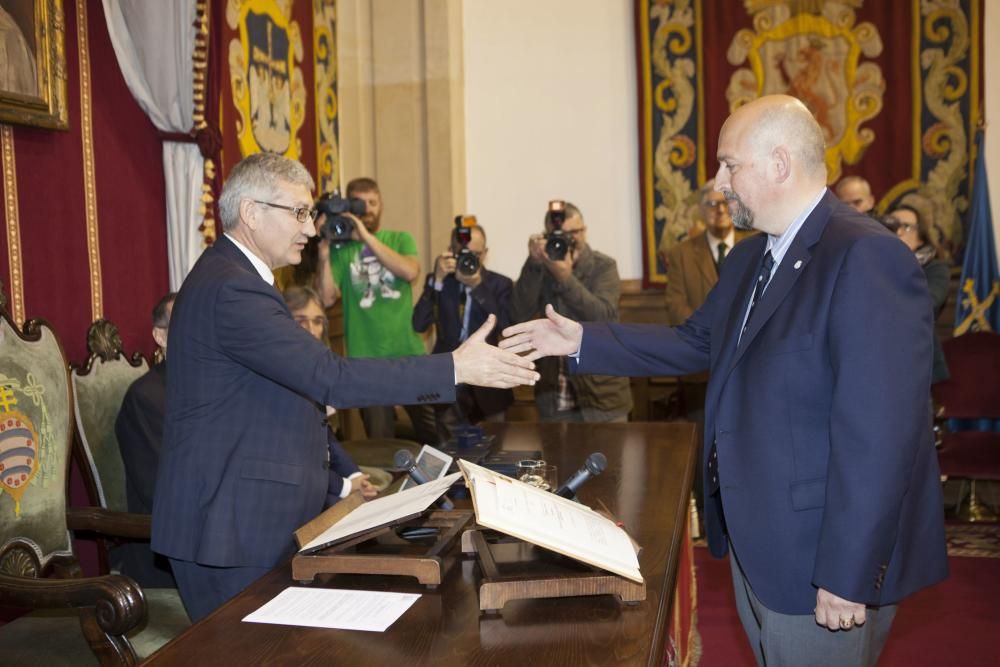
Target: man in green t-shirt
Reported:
point(372, 274)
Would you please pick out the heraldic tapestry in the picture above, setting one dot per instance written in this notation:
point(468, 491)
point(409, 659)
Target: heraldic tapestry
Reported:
point(895, 86)
point(280, 90)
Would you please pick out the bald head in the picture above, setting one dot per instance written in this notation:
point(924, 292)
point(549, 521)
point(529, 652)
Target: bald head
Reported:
point(856, 192)
point(771, 155)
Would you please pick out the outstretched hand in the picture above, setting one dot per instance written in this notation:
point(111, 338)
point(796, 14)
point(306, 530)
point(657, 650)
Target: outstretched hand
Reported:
point(554, 336)
point(479, 363)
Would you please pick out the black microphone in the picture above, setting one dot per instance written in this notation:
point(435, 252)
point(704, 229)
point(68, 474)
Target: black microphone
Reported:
point(404, 461)
point(592, 467)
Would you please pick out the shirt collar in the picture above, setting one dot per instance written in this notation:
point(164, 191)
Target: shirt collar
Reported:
point(779, 245)
point(714, 241)
point(258, 263)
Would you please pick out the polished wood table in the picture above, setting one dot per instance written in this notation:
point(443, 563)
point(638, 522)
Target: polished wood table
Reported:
point(646, 485)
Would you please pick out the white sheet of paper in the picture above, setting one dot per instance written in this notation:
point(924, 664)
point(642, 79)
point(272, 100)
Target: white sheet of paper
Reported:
point(371, 611)
point(385, 509)
point(545, 519)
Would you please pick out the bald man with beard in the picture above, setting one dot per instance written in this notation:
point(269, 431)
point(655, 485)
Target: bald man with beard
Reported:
point(823, 491)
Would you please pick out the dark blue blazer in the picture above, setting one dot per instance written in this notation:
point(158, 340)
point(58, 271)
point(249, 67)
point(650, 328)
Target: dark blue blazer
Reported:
point(441, 309)
point(821, 414)
point(244, 460)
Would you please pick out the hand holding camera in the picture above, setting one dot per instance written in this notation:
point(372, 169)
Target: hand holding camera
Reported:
point(342, 222)
point(444, 265)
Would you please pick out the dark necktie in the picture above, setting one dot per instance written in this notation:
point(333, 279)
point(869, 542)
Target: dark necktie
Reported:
point(758, 290)
point(721, 250)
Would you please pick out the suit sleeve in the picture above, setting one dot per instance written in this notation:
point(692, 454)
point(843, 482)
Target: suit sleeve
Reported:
point(254, 329)
point(880, 333)
point(341, 467)
point(678, 307)
point(642, 350)
point(423, 311)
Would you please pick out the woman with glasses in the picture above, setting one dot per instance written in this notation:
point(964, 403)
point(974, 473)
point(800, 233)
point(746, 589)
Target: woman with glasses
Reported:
point(914, 230)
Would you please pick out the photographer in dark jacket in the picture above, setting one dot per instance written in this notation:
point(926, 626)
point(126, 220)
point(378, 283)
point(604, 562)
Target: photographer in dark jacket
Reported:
point(457, 300)
point(583, 282)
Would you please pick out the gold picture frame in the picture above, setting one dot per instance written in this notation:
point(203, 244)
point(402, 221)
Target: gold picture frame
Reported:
point(33, 63)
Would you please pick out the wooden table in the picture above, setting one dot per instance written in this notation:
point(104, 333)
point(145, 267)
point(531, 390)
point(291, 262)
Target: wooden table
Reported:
point(646, 484)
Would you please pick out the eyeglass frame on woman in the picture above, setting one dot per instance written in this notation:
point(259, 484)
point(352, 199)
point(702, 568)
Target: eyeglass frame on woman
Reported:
point(298, 211)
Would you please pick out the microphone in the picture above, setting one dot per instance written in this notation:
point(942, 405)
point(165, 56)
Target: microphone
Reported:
point(592, 467)
point(403, 460)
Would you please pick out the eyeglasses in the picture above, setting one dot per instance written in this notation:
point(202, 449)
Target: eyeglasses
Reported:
point(317, 321)
point(302, 214)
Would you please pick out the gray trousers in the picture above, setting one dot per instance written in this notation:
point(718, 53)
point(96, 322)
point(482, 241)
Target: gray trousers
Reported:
point(783, 640)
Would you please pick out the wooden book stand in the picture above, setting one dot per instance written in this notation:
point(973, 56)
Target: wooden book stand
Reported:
point(380, 550)
point(516, 570)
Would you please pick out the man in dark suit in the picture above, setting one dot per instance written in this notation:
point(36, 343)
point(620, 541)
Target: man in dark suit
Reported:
point(825, 491)
point(245, 454)
point(457, 303)
point(139, 430)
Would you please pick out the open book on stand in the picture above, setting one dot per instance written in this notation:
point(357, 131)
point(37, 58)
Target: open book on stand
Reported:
point(550, 521)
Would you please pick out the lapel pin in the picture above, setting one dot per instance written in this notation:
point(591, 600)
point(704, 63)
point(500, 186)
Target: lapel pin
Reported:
point(798, 264)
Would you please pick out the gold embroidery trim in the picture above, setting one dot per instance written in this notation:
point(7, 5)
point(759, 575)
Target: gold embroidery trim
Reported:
point(199, 60)
point(13, 224)
point(89, 179)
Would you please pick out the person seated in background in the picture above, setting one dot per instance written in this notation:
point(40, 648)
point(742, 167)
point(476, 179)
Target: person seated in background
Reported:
point(914, 230)
point(458, 297)
point(345, 477)
point(139, 430)
point(581, 283)
point(856, 193)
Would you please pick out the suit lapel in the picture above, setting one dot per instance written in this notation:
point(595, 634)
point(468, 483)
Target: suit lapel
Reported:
point(793, 264)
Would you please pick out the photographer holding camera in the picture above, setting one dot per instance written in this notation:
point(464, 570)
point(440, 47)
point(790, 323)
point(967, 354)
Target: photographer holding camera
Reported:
point(564, 271)
point(371, 269)
point(458, 297)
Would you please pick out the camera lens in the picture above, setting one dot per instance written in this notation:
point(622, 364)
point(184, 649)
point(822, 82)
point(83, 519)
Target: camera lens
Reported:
point(556, 246)
point(337, 229)
point(468, 263)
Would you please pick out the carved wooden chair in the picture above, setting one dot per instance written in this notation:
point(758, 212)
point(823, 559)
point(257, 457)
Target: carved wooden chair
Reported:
point(98, 391)
point(82, 619)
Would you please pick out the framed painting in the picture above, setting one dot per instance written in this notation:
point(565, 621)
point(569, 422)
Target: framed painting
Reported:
point(33, 63)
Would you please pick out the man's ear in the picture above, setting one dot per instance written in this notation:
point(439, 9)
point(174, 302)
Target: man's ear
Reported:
point(248, 213)
point(782, 163)
point(160, 336)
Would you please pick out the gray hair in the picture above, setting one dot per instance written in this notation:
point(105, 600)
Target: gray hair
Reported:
point(254, 177)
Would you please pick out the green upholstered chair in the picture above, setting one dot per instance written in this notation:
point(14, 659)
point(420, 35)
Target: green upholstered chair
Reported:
point(85, 619)
point(98, 390)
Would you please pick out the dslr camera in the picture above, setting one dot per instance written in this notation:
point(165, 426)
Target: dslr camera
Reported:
point(338, 227)
point(557, 242)
point(466, 259)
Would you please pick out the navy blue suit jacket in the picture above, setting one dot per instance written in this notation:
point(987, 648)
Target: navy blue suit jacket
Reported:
point(821, 413)
point(441, 309)
point(244, 460)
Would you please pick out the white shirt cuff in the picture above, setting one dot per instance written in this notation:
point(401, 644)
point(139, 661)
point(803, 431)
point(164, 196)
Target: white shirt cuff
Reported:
point(345, 490)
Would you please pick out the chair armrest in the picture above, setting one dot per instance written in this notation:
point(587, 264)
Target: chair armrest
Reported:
point(108, 523)
point(119, 602)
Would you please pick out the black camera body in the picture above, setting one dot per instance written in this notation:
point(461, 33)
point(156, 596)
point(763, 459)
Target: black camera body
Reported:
point(558, 243)
point(338, 227)
point(466, 260)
